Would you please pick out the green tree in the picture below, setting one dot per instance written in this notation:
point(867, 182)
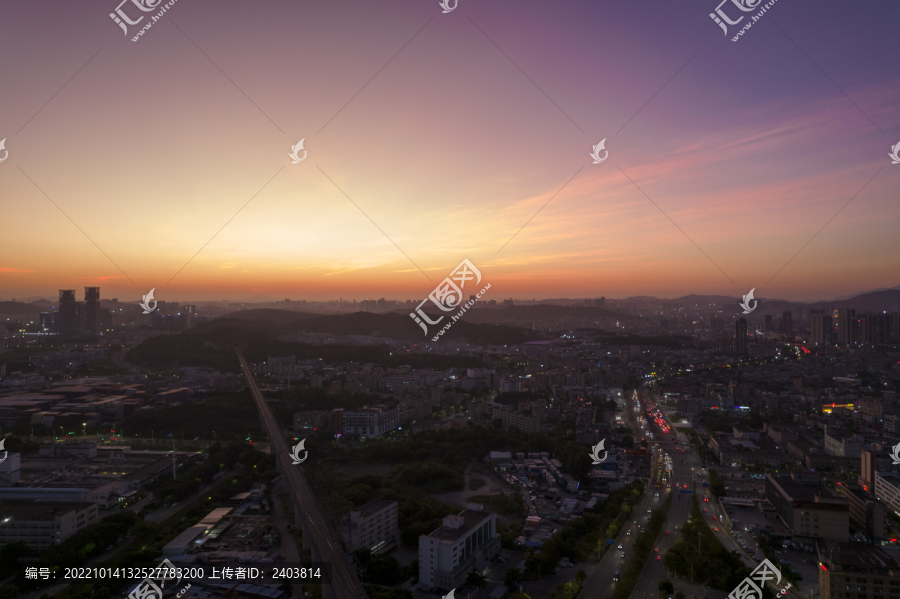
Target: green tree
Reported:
point(511, 579)
point(10, 554)
point(476, 580)
point(716, 484)
point(665, 588)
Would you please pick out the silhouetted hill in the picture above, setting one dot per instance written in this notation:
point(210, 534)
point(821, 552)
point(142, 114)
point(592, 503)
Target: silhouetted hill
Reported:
point(876, 301)
point(18, 308)
point(539, 311)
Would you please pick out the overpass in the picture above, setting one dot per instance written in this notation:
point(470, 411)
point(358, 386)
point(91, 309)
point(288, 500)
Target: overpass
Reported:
point(318, 536)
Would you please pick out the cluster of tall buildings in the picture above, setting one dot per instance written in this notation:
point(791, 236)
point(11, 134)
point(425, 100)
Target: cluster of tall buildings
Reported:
point(843, 327)
point(786, 327)
point(77, 319)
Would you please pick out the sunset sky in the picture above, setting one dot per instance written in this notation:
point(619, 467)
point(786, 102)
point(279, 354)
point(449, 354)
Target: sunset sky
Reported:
point(147, 149)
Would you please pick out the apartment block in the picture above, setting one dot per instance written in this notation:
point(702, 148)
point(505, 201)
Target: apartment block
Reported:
point(370, 421)
point(866, 513)
point(887, 489)
point(525, 423)
point(464, 542)
point(845, 447)
point(859, 572)
point(373, 526)
point(807, 511)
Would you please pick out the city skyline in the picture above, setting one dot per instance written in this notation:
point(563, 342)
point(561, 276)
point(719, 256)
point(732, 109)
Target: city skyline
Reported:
point(433, 138)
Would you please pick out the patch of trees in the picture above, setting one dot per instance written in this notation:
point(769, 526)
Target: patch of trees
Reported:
point(512, 505)
point(220, 459)
point(716, 484)
point(382, 569)
point(700, 550)
point(231, 414)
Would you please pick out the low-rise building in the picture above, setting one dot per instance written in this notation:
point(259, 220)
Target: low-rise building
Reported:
point(307, 422)
point(43, 524)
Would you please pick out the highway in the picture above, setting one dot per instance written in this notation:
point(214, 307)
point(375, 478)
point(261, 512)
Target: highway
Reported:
point(316, 531)
point(601, 582)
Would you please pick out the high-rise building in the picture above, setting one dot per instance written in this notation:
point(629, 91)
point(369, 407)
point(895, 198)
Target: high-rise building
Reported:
point(787, 325)
point(68, 324)
point(769, 326)
point(92, 311)
point(867, 471)
point(875, 329)
point(820, 329)
point(740, 336)
point(846, 327)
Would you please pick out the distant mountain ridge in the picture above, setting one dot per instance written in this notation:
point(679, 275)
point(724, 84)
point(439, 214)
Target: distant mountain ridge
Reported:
point(19, 308)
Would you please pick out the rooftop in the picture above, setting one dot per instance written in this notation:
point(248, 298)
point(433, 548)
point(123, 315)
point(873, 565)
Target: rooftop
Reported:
point(373, 507)
point(32, 511)
point(469, 520)
point(859, 558)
